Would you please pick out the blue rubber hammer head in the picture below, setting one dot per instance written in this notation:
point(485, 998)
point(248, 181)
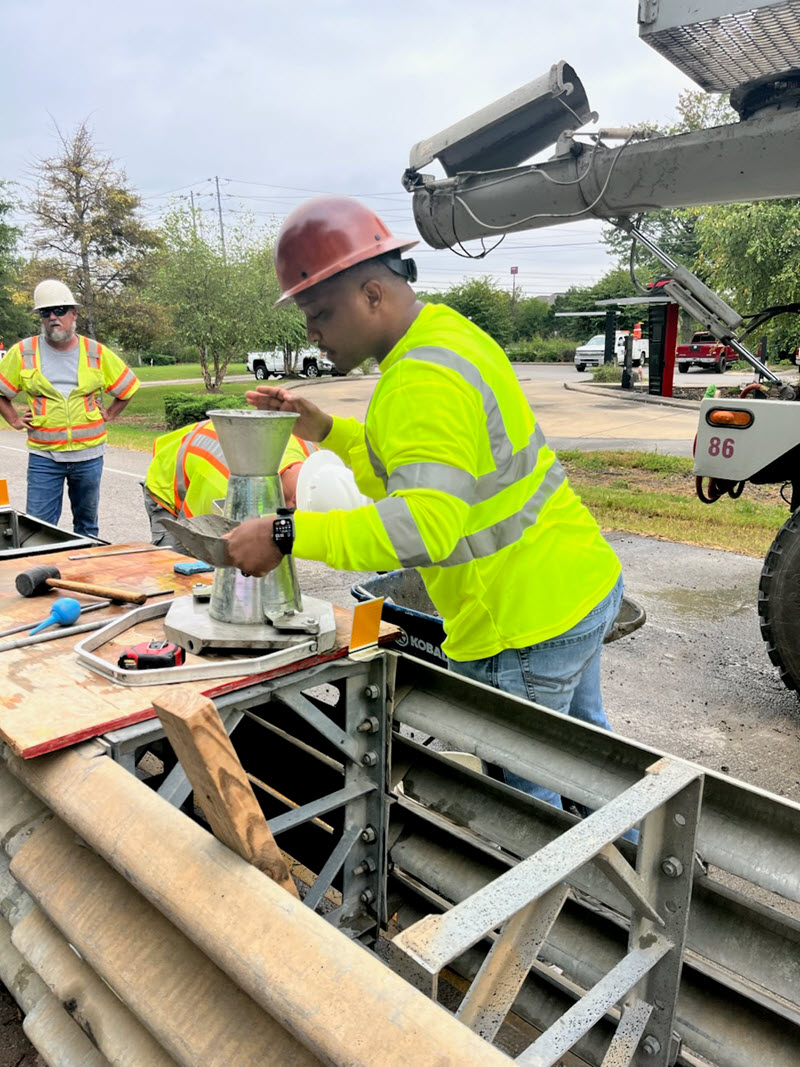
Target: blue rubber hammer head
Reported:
point(64, 612)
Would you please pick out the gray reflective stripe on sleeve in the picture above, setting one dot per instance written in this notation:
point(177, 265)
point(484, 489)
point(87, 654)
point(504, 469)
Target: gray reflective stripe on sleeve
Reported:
point(443, 357)
point(396, 517)
point(377, 466)
point(26, 353)
point(508, 531)
point(451, 480)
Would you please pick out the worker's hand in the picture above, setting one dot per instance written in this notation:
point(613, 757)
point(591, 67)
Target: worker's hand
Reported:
point(313, 424)
point(25, 422)
point(251, 548)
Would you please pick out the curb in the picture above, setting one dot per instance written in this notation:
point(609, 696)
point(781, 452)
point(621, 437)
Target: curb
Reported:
point(641, 398)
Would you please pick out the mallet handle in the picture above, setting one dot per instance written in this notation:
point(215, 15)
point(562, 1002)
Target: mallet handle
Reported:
point(122, 595)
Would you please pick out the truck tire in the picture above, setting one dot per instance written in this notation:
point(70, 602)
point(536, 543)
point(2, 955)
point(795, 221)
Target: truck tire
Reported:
point(310, 369)
point(580, 366)
point(261, 372)
point(722, 366)
point(779, 601)
point(683, 368)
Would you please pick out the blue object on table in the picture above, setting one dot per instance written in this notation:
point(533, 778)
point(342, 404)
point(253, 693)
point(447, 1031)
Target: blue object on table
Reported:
point(64, 612)
point(194, 566)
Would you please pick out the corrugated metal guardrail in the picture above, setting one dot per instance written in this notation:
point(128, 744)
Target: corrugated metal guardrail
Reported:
point(212, 963)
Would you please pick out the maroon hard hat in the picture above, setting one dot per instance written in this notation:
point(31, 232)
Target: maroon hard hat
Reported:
point(327, 235)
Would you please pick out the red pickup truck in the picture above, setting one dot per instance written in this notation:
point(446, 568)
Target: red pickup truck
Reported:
point(704, 350)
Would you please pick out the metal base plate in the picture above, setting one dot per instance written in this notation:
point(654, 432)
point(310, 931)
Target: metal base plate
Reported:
point(189, 624)
point(218, 668)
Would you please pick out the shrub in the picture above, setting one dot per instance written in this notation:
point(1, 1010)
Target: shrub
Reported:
point(541, 350)
point(182, 408)
point(607, 372)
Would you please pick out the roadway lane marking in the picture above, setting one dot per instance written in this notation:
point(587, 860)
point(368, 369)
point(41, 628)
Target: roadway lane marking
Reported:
point(111, 470)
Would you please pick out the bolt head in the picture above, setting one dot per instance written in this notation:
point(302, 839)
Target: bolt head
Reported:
point(369, 759)
point(651, 1046)
point(367, 897)
point(372, 692)
point(672, 867)
point(368, 835)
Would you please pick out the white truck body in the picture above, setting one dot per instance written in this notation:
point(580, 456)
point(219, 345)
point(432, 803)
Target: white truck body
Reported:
point(310, 362)
point(592, 353)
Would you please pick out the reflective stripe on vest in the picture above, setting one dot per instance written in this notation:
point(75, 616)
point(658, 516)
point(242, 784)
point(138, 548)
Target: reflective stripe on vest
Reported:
point(511, 467)
point(204, 442)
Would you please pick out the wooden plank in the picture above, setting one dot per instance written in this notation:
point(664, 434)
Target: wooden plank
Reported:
point(49, 701)
point(221, 788)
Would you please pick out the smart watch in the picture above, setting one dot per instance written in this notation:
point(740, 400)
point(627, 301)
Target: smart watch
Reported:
point(283, 530)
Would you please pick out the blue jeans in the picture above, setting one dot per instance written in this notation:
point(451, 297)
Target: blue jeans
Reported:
point(562, 673)
point(46, 480)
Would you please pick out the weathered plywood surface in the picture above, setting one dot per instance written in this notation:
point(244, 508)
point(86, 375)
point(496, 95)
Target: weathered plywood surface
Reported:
point(49, 701)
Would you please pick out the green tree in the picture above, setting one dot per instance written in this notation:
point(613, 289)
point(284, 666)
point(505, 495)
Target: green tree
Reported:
point(222, 303)
point(14, 319)
point(531, 317)
point(613, 285)
point(751, 253)
point(485, 304)
point(85, 216)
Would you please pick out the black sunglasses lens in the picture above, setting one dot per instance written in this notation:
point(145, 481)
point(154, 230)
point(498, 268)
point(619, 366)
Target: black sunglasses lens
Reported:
point(58, 311)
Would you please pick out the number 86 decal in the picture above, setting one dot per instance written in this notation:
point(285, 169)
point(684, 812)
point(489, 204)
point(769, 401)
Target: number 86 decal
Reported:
point(715, 447)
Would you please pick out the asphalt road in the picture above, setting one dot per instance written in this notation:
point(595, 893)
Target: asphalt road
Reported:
point(695, 681)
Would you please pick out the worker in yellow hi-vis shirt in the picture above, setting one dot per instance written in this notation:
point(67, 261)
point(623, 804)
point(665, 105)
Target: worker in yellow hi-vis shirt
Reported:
point(465, 486)
point(188, 473)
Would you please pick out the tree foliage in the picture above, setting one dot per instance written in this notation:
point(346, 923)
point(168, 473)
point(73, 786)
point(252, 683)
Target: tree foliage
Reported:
point(86, 218)
point(222, 302)
point(14, 320)
point(616, 283)
point(488, 306)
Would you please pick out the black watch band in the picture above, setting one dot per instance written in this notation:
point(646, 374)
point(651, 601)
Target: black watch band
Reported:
point(283, 530)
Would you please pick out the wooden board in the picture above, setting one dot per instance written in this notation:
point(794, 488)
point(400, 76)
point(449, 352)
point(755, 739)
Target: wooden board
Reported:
point(49, 701)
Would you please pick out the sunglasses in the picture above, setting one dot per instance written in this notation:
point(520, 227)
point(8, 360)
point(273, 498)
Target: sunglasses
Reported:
point(58, 311)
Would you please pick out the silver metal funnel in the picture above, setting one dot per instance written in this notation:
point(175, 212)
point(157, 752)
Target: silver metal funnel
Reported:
point(253, 441)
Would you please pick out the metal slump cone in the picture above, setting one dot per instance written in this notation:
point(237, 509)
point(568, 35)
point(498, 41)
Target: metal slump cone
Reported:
point(253, 441)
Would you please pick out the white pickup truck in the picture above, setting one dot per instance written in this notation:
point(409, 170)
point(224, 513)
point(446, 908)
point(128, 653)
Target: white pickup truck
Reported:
point(592, 353)
point(310, 362)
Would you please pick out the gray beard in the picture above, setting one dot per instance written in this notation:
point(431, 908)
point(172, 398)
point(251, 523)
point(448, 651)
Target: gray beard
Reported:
point(58, 335)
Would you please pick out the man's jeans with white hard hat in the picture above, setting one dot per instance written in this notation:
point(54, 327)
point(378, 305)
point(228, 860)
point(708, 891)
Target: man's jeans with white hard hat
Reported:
point(562, 673)
point(46, 479)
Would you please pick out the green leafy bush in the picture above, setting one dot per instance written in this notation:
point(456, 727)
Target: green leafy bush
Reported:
point(541, 350)
point(607, 372)
point(180, 409)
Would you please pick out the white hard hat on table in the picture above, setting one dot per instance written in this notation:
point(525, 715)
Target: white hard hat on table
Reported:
point(326, 484)
point(51, 293)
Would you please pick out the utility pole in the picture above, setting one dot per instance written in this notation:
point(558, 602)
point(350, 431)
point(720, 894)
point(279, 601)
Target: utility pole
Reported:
point(221, 227)
point(194, 217)
point(514, 272)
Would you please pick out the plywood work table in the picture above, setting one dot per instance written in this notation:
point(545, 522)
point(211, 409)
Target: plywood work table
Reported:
point(49, 701)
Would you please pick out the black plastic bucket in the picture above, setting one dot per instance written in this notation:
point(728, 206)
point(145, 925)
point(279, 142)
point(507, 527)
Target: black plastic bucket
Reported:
point(406, 604)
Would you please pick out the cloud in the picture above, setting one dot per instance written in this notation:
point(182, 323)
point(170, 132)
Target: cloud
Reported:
point(324, 96)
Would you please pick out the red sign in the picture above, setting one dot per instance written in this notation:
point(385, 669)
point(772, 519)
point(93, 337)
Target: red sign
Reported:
point(515, 270)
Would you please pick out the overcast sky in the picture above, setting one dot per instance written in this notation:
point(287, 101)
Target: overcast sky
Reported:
point(282, 100)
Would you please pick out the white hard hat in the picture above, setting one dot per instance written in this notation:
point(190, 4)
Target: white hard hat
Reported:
point(51, 294)
point(326, 484)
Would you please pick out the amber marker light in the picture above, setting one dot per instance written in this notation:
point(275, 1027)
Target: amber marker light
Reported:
point(725, 417)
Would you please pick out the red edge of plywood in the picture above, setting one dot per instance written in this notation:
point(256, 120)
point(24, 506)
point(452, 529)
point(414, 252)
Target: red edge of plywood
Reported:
point(89, 732)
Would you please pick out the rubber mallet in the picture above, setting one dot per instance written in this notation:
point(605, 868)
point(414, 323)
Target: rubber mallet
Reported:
point(38, 580)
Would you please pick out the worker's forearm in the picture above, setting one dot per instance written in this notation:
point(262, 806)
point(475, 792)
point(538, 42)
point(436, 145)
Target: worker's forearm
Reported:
point(115, 409)
point(11, 415)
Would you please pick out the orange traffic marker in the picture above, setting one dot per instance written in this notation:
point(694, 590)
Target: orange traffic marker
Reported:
point(366, 623)
point(3, 492)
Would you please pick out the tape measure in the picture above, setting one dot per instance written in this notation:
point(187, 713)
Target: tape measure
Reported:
point(151, 654)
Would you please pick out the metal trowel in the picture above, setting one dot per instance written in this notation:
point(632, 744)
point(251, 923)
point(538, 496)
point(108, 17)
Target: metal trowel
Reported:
point(201, 536)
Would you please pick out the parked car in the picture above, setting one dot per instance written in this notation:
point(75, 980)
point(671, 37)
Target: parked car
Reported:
point(592, 354)
point(310, 362)
point(704, 350)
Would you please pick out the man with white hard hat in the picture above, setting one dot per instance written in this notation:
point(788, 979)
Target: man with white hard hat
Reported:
point(64, 377)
